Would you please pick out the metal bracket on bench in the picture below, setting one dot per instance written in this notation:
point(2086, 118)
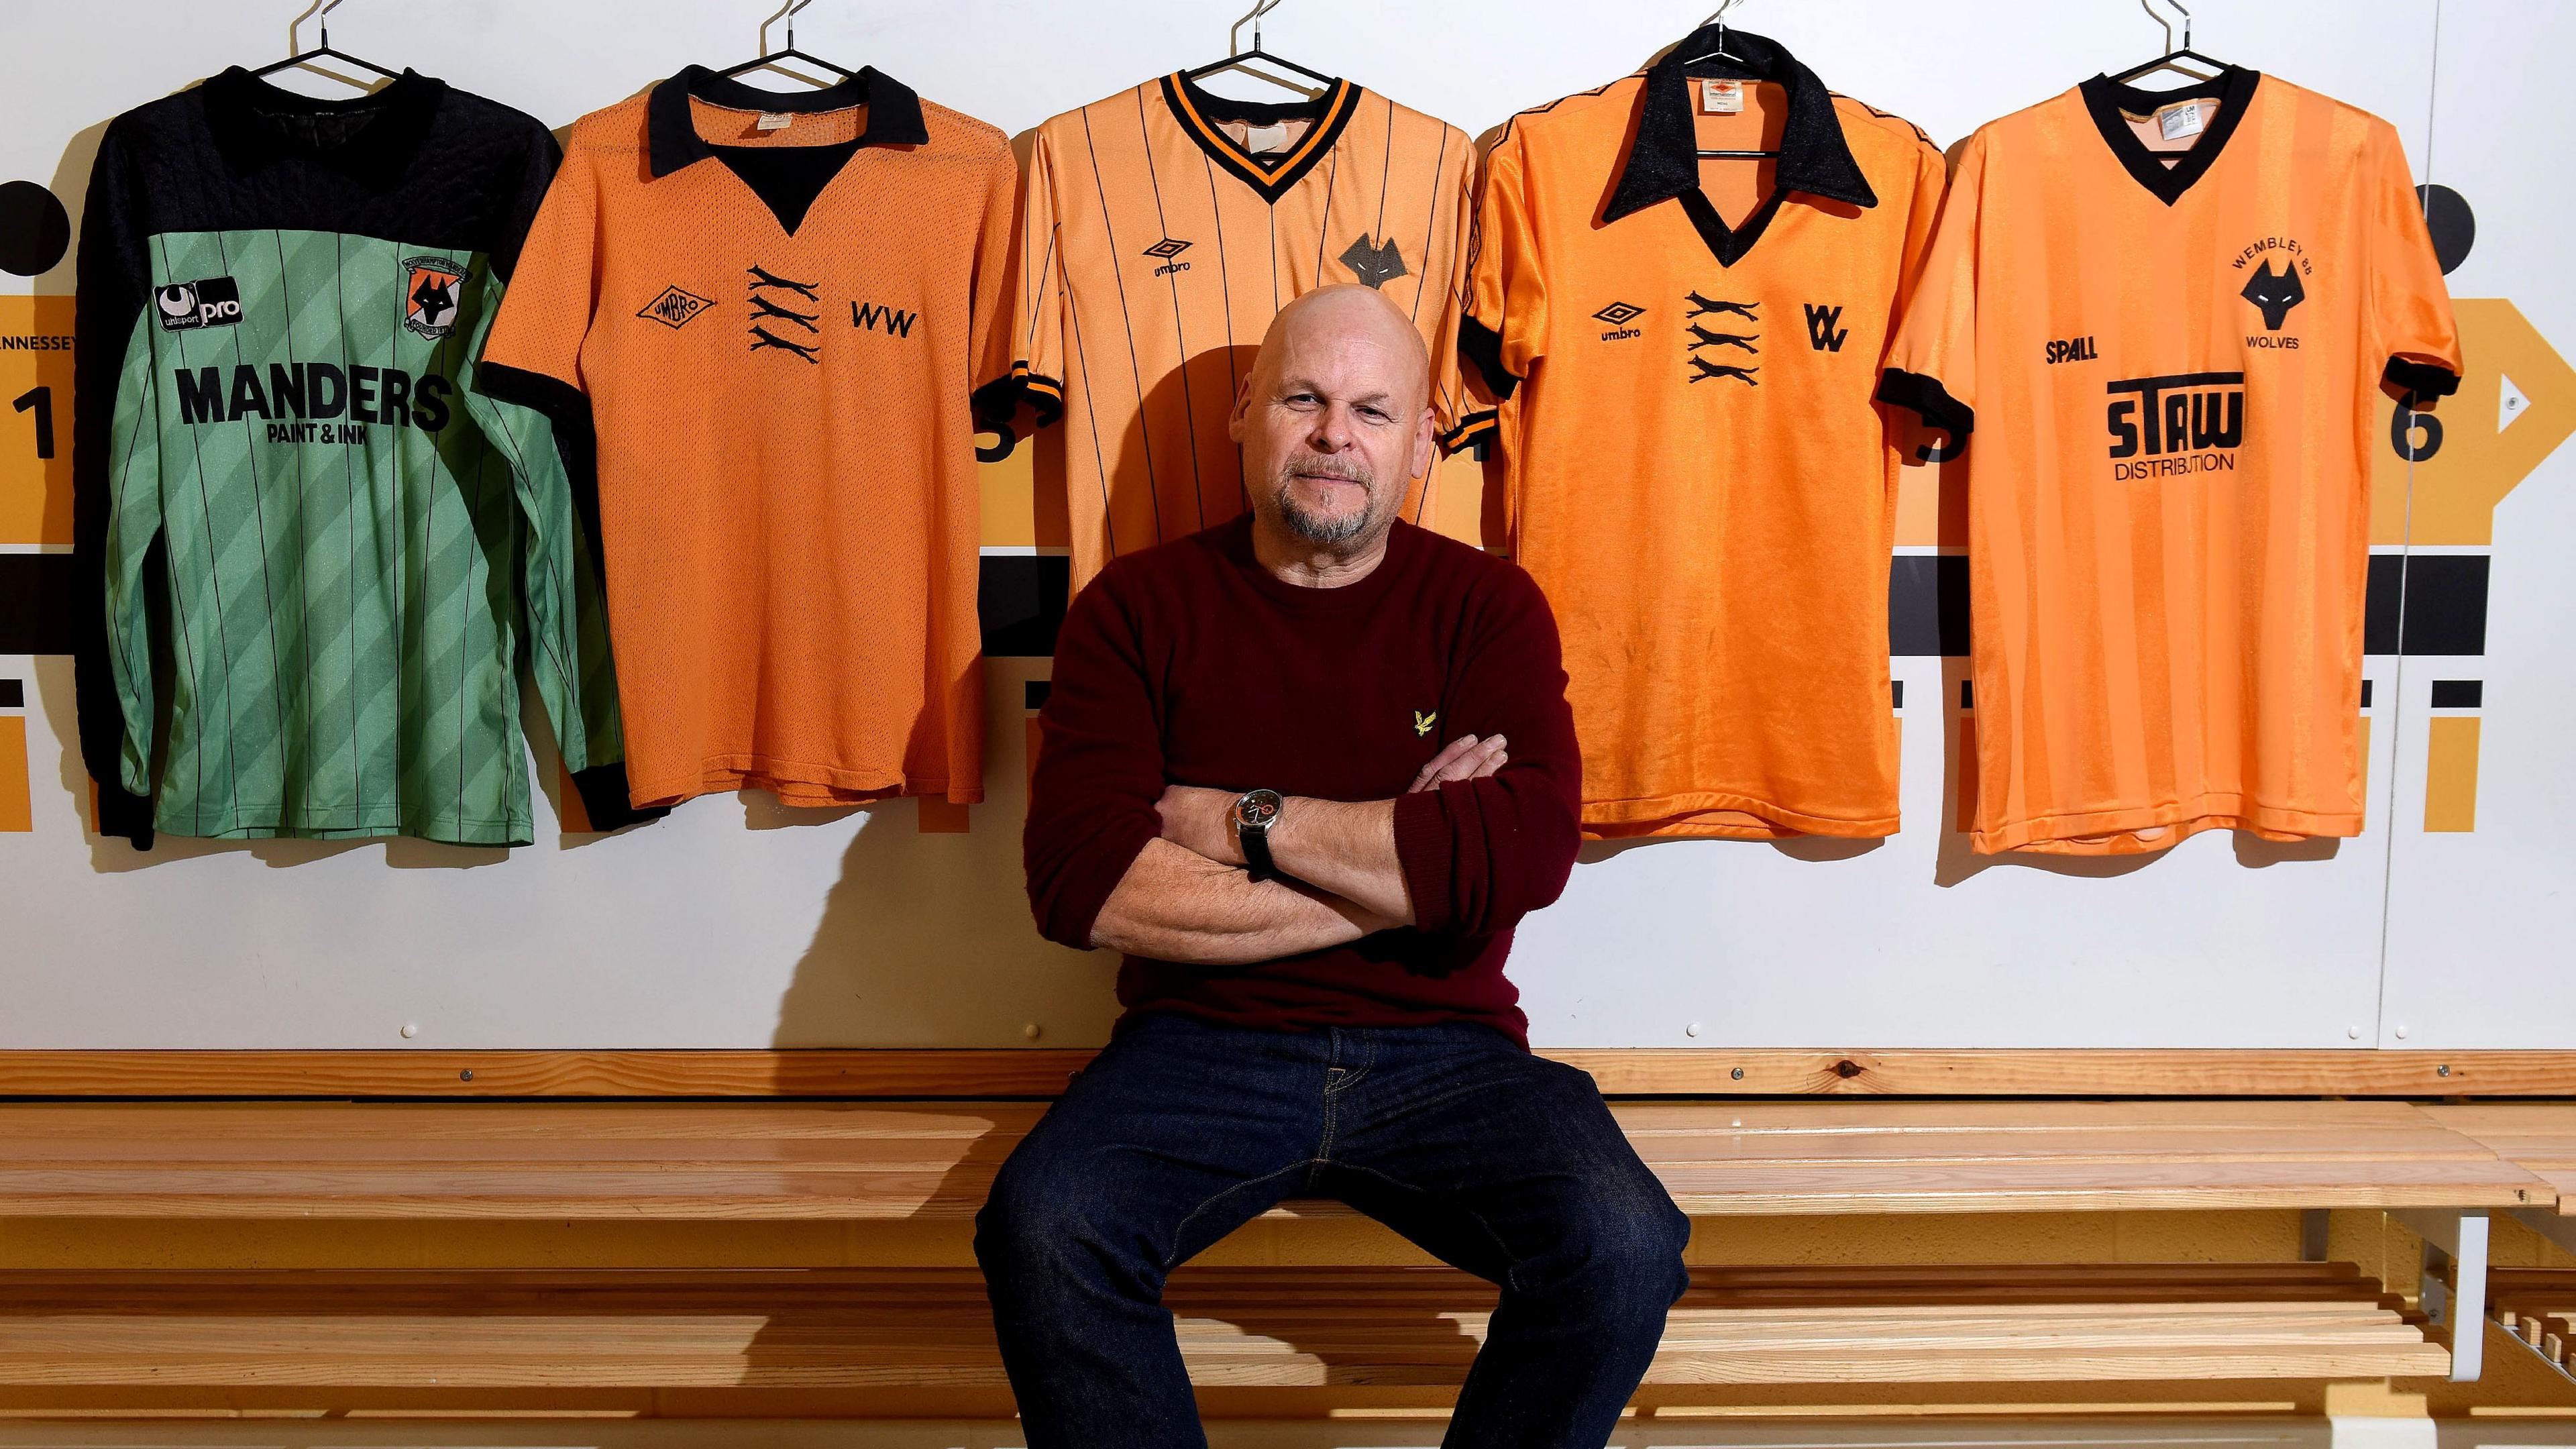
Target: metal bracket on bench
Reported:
point(2549, 1224)
point(2457, 1240)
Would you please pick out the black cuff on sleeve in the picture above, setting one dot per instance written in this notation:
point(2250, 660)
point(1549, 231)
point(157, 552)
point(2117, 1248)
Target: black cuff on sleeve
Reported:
point(997, 404)
point(2417, 383)
point(1471, 428)
point(1927, 398)
point(604, 799)
point(1483, 346)
point(124, 815)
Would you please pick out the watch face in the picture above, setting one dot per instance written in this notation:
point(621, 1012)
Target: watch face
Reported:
point(1257, 808)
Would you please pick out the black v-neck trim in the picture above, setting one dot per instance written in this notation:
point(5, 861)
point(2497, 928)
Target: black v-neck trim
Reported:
point(787, 179)
point(1727, 244)
point(2111, 103)
point(1198, 110)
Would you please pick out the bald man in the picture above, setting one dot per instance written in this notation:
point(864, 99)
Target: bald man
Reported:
point(1306, 770)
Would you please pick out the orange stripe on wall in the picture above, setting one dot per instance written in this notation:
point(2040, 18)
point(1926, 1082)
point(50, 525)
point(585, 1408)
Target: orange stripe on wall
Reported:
point(2451, 775)
point(17, 810)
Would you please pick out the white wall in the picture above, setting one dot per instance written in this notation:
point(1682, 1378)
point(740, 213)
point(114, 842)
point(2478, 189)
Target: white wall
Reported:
point(736, 923)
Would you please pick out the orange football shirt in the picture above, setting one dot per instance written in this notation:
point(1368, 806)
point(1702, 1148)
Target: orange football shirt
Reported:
point(781, 316)
point(1164, 228)
point(1698, 475)
point(2170, 368)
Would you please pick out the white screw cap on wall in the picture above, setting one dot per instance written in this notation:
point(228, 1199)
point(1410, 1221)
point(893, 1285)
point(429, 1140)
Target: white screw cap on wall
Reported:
point(1030, 1030)
point(410, 1029)
point(1691, 1030)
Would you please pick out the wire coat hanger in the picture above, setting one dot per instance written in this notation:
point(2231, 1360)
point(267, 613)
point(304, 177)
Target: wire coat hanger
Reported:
point(1740, 63)
point(320, 13)
point(1236, 55)
point(2169, 60)
point(770, 60)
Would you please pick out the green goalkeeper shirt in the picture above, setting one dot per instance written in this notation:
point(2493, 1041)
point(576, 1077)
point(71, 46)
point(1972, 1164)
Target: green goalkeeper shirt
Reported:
point(322, 555)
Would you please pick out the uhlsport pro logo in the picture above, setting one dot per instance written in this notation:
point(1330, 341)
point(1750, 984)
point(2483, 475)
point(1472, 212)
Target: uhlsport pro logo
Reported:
point(1618, 315)
point(1168, 252)
point(2186, 422)
point(1376, 265)
point(206, 302)
point(674, 308)
point(434, 290)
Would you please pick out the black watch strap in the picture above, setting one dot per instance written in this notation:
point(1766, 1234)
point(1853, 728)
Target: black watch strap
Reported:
point(1256, 852)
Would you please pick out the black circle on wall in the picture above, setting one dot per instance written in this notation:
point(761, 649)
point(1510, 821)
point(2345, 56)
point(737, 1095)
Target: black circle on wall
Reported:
point(35, 231)
point(2454, 226)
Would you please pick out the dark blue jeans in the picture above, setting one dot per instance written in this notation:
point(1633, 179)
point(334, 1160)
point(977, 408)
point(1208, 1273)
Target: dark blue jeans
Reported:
point(1502, 1163)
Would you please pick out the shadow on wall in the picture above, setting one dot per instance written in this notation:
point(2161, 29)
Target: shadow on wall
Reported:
point(926, 938)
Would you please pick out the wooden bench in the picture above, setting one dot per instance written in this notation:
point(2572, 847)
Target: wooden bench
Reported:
point(911, 1160)
point(720, 1332)
point(751, 1330)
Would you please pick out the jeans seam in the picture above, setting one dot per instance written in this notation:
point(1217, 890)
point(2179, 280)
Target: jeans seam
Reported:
point(1171, 1257)
point(1511, 1265)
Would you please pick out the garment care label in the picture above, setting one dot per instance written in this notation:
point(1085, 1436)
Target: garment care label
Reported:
point(2176, 122)
point(1262, 140)
point(773, 121)
point(1721, 97)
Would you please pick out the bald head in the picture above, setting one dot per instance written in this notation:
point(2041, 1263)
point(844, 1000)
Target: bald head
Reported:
point(1335, 419)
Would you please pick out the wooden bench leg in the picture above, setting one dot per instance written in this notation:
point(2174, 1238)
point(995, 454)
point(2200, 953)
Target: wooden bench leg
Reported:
point(2456, 1241)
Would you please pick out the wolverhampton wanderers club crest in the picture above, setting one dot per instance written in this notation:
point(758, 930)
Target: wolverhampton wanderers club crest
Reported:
point(435, 290)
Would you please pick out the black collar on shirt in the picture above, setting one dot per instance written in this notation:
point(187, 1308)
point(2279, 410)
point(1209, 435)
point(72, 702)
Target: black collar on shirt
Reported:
point(894, 111)
point(1663, 161)
point(2111, 103)
point(254, 124)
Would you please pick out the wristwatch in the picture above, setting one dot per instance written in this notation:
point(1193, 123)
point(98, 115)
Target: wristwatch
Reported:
point(1255, 811)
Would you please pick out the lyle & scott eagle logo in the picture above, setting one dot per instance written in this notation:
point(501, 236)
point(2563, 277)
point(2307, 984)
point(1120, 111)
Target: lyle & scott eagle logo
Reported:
point(1375, 266)
point(437, 290)
point(1422, 723)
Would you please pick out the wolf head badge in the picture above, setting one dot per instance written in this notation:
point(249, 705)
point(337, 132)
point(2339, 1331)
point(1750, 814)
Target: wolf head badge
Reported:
point(2275, 293)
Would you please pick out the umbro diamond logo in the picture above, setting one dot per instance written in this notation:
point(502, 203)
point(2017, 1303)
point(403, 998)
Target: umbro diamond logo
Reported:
point(1619, 315)
point(1167, 251)
point(207, 302)
point(1375, 266)
point(674, 307)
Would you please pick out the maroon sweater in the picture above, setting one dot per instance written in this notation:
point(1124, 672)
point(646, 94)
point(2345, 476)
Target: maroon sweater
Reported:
point(1191, 664)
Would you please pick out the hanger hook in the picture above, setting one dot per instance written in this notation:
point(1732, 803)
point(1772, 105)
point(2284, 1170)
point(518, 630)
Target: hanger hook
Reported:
point(295, 27)
point(786, 12)
point(1251, 17)
point(2180, 9)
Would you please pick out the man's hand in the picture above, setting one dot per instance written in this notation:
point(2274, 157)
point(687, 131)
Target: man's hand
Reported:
point(1465, 758)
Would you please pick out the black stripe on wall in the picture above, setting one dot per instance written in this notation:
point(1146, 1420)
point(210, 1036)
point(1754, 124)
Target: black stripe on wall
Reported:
point(2437, 602)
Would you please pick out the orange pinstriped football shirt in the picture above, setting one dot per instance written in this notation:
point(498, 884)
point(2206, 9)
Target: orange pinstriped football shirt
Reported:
point(1698, 475)
point(782, 312)
point(1158, 243)
point(2170, 372)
